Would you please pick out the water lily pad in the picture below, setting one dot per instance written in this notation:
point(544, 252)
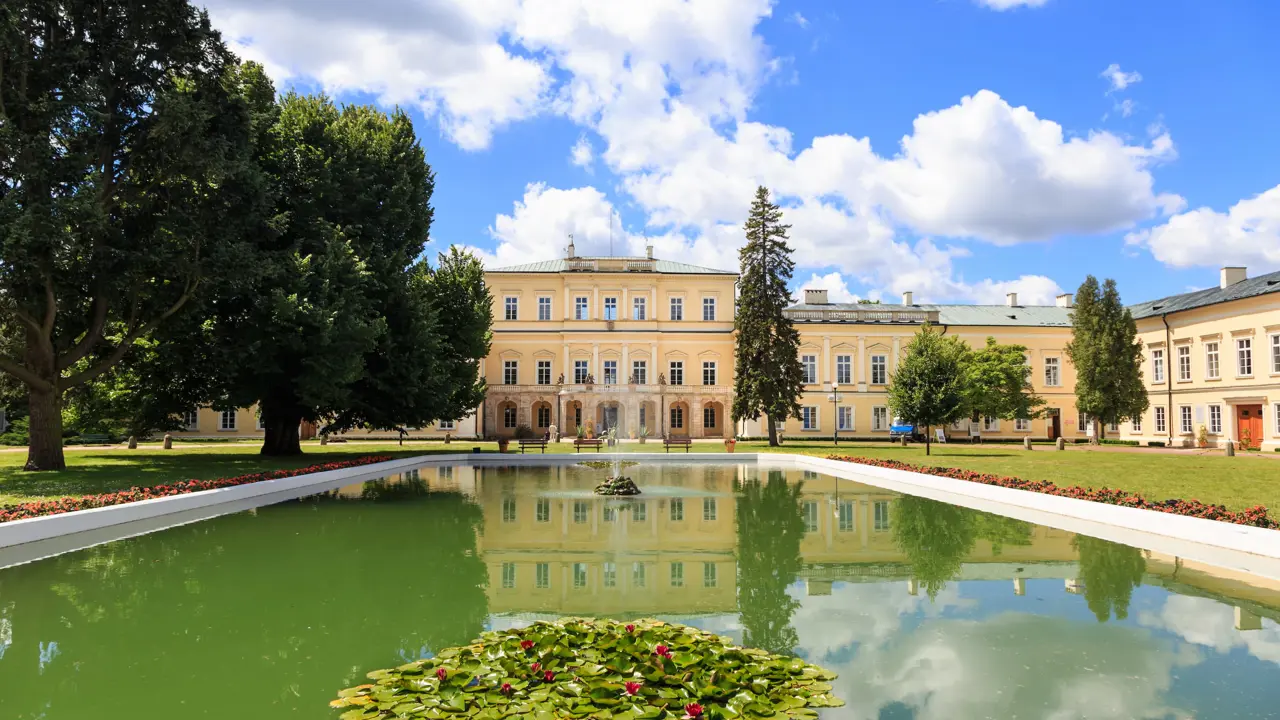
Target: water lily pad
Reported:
point(583, 668)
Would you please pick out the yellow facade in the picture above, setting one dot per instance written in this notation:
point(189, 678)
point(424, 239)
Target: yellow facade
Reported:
point(206, 423)
point(1216, 366)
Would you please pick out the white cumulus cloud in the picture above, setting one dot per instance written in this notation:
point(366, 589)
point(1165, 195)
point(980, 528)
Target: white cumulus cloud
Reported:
point(1248, 234)
point(1120, 79)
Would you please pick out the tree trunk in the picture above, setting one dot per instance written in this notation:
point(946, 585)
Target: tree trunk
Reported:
point(281, 430)
point(928, 439)
point(773, 431)
point(44, 450)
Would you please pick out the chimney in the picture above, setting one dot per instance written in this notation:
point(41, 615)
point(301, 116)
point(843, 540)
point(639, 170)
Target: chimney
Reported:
point(907, 299)
point(1064, 300)
point(815, 297)
point(571, 250)
point(1233, 275)
point(1011, 299)
point(648, 251)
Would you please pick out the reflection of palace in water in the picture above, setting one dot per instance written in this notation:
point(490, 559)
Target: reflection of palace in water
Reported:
point(553, 548)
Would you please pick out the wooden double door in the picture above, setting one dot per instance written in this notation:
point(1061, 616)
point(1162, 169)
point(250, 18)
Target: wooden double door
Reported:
point(1249, 425)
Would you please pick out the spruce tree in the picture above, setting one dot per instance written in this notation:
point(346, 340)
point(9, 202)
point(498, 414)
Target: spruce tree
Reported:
point(1107, 356)
point(769, 377)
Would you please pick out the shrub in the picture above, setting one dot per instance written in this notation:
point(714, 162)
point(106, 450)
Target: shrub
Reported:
point(523, 432)
point(41, 508)
point(1156, 443)
point(1255, 516)
point(1126, 443)
point(16, 433)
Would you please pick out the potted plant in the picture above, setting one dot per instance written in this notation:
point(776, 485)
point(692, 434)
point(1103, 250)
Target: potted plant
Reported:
point(503, 444)
point(643, 433)
point(1203, 437)
point(1246, 439)
point(580, 432)
point(730, 443)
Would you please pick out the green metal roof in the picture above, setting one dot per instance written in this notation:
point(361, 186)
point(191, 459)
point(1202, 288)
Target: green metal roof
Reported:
point(997, 315)
point(1253, 287)
point(561, 265)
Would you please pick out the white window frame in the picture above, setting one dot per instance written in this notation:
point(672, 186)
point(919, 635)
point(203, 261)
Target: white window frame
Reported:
point(639, 308)
point(510, 372)
point(809, 419)
point(879, 419)
point(1275, 416)
point(709, 575)
point(640, 371)
point(581, 369)
point(581, 307)
point(1084, 424)
point(541, 377)
point(676, 419)
point(1244, 357)
point(446, 425)
point(508, 576)
point(510, 307)
point(845, 418)
point(1215, 419)
point(510, 418)
point(1053, 372)
point(847, 516)
point(990, 424)
point(809, 369)
point(879, 369)
point(810, 514)
point(675, 309)
point(609, 575)
point(227, 421)
point(538, 411)
point(709, 412)
point(1162, 420)
point(610, 308)
point(1212, 366)
point(544, 308)
point(1184, 363)
point(191, 420)
point(542, 575)
point(1186, 420)
point(677, 573)
point(257, 424)
point(1275, 353)
point(1022, 424)
point(708, 309)
point(1157, 365)
point(844, 369)
point(610, 372)
point(1137, 425)
point(710, 509)
point(675, 371)
point(709, 366)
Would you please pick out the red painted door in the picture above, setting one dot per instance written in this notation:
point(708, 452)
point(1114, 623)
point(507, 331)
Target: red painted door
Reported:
point(1249, 425)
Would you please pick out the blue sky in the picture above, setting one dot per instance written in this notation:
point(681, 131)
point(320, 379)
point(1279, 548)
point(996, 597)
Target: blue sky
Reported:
point(960, 149)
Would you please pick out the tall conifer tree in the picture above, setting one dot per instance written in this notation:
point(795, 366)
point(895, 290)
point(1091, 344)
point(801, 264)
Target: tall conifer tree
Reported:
point(1107, 356)
point(769, 377)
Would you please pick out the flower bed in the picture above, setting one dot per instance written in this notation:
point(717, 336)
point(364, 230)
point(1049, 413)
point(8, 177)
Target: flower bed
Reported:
point(1255, 516)
point(580, 668)
point(41, 508)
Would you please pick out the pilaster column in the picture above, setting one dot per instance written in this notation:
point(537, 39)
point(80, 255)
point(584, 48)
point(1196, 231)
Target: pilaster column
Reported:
point(862, 363)
point(624, 372)
point(826, 374)
point(653, 303)
point(897, 341)
point(654, 364)
point(565, 368)
point(596, 313)
point(624, 312)
point(595, 363)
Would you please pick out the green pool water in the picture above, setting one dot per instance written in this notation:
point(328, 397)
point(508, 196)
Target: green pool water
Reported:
point(926, 610)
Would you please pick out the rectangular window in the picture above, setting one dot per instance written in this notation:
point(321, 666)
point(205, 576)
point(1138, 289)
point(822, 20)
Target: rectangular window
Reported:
point(809, 369)
point(677, 574)
point(1211, 361)
point(544, 372)
point(1184, 419)
point(609, 513)
point(544, 416)
point(677, 418)
point(227, 420)
point(511, 306)
point(1084, 424)
point(542, 575)
point(1053, 372)
point(580, 371)
point(708, 372)
point(637, 575)
point(446, 425)
point(1184, 363)
point(811, 517)
point(258, 422)
point(1160, 419)
point(639, 512)
point(709, 509)
point(677, 372)
point(844, 369)
point(676, 510)
point(579, 575)
point(1275, 354)
point(709, 418)
point(544, 308)
point(809, 417)
point(990, 424)
point(846, 516)
point(638, 309)
point(508, 576)
point(708, 309)
point(882, 521)
point(191, 420)
point(508, 417)
point(1157, 366)
point(1137, 424)
point(708, 574)
point(609, 575)
point(508, 509)
point(611, 308)
point(542, 512)
point(1022, 425)
point(1215, 419)
point(1244, 357)
point(677, 308)
point(1277, 417)
point(610, 372)
point(510, 372)
point(879, 419)
point(639, 372)
point(844, 418)
point(1113, 427)
point(580, 308)
point(879, 369)
point(581, 511)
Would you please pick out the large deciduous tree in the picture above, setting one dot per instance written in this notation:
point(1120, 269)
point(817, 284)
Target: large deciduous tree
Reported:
point(1107, 356)
point(769, 377)
point(927, 388)
point(125, 165)
point(997, 383)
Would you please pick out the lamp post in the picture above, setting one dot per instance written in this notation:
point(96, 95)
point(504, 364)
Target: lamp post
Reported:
point(835, 406)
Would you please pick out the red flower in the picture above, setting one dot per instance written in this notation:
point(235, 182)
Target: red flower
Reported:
point(692, 711)
point(631, 628)
point(441, 673)
point(662, 651)
point(535, 667)
point(526, 645)
point(548, 676)
point(507, 689)
point(632, 688)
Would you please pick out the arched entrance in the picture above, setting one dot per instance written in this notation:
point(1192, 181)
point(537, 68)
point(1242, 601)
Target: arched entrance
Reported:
point(572, 418)
point(543, 417)
point(647, 418)
point(507, 418)
point(714, 422)
point(678, 420)
point(609, 415)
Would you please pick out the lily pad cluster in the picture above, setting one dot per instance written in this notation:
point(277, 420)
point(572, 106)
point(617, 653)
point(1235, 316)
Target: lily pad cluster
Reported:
point(607, 464)
point(617, 486)
point(583, 668)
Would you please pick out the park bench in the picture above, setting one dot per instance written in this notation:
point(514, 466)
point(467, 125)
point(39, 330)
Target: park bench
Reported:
point(538, 443)
point(677, 441)
point(95, 439)
point(580, 443)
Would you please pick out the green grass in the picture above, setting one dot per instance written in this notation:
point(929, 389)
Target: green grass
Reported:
point(1237, 482)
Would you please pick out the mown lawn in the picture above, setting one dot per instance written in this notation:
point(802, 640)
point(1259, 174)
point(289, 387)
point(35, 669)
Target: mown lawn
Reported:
point(1237, 482)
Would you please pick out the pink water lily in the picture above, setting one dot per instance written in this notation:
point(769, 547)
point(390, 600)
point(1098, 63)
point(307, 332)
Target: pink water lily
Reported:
point(507, 689)
point(631, 628)
point(662, 651)
point(535, 667)
point(526, 645)
point(548, 676)
point(692, 711)
point(631, 688)
point(441, 673)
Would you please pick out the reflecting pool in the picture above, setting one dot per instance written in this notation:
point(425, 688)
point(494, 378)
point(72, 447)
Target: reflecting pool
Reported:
point(926, 610)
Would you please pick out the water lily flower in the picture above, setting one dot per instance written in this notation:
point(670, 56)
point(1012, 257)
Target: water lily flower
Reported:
point(507, 689)
point(662, 651)
point(526, 645)
point(442, 674)
point(548, 676)
point(631, 628)
point(692, 711)
point(535, 667)
point(632, 688)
